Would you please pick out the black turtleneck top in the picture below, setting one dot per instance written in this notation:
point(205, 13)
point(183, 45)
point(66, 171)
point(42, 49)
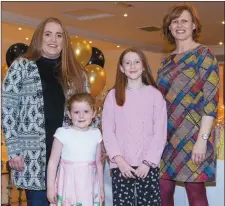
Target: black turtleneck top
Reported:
point(54, 99)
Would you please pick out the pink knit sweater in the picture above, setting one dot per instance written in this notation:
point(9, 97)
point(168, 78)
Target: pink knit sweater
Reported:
point(138, 130)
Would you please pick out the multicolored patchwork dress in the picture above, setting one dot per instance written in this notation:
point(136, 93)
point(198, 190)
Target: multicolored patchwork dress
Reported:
point(189, 83)
point(77, 181)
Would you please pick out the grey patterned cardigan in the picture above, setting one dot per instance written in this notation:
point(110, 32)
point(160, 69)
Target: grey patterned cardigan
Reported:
point(23, 123)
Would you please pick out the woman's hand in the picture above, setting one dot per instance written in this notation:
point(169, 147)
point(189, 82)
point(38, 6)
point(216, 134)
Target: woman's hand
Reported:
point(142, 171)
point(17, 163)
point(199, 151)
point(125, 169)
point(51, 195)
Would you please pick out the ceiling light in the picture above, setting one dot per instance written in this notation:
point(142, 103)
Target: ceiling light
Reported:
point(125, 15)
point(27, 38)
point(20, 28)
point(222, 22)
point(90, 42)
point(220, 43)
point(118, 46)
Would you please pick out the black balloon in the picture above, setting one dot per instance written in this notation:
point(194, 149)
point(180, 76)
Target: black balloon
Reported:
point(97, 57)
point(15, 51)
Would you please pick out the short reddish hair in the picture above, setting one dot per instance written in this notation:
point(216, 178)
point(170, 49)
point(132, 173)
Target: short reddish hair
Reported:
point(81, 97)
point(175, 12)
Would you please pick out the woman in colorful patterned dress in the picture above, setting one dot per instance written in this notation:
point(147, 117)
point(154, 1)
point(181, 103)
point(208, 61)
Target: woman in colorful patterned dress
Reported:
point(188, 79)
point(79, 180)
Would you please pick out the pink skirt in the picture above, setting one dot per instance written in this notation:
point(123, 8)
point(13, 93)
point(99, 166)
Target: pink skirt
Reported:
point(77, 184)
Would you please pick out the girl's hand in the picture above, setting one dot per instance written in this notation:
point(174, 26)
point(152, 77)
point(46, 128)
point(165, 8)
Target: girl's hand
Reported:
point(199, 151)
point(104, 157)
point(142, 171)
point(102, 196)
point(125, 169)
point(51, 195)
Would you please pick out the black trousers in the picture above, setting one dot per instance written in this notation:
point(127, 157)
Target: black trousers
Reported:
point(136, 192)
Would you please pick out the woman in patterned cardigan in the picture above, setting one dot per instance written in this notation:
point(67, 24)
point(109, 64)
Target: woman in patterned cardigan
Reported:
point(34, 91)
point(188, 78)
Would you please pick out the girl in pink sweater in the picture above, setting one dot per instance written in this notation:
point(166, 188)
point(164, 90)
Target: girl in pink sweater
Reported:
point(134, 132)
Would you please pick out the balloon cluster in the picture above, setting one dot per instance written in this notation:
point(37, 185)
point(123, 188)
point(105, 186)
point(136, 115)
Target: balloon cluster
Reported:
point(93, 61)
point(91, 58)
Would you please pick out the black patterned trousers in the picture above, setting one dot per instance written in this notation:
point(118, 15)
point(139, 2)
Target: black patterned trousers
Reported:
point(136, 192)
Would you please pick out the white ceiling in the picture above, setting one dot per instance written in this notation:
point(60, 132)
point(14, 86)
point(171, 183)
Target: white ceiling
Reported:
point(112, 28)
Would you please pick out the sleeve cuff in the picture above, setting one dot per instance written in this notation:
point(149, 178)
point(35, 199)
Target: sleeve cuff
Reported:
point(150, 164)
point(18, 154)
point(111, 157)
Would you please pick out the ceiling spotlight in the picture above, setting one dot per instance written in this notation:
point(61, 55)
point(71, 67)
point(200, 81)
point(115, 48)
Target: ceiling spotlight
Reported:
point(125, 15)
point(220, 43)
point(90, 42)
point(27, 38)
point(222, 22)
point(19, 28)
point(118, 46)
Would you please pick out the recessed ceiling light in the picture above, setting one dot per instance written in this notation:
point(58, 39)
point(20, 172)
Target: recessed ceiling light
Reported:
point(220, 43)
point(27, 38)
point(90, 42)
point(20, 28)
point(118, 46)
point(222, 22)
point(125, 15)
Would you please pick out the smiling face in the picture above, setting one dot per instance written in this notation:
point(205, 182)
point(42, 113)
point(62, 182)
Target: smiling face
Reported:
point(52, 42)
point(182, 27)
point(81, 114)
point(132, 66)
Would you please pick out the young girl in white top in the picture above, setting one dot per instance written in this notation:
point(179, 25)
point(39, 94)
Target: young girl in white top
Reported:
point(79, 179)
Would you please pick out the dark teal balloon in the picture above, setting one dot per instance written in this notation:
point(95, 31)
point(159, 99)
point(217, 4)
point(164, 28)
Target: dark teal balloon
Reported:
point(15, 51)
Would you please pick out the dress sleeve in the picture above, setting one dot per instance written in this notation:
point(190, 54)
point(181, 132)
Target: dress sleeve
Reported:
point(11, 92)
point(99, 135)
point(159, 137)
point(209, 74)
point(109, 127)
point(60, 134)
